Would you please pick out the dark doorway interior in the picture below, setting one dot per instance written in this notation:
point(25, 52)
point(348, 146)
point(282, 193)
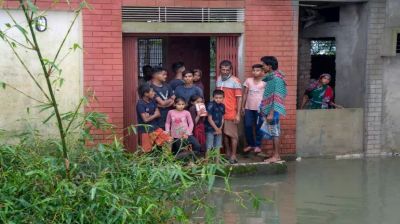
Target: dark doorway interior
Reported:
point(164, 51)
point(323, 59)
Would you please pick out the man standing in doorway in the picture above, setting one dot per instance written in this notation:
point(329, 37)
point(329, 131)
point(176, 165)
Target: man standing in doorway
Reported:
point(273, 102)
point(232, 88)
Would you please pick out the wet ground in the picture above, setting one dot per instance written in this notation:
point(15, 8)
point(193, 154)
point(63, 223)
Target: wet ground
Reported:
point(321, 191)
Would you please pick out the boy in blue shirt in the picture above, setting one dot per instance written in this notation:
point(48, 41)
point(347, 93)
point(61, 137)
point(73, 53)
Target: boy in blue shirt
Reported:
point(188, 90)
point(148, 115)
point(215, 121)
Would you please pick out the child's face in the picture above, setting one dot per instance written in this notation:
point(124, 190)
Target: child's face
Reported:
point(325, 80)
point(161, 76)
point(199, 100)
point(151, 94)
point(257, 72)
point(188, 78)
point(218, 98)
point(196, 77)
point(180, 105)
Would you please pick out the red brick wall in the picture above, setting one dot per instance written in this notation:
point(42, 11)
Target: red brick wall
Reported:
point(271, 29)
point(103, 72)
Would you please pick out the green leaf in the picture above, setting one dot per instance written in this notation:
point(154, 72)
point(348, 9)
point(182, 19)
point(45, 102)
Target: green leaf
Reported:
point(28, 110)
point(3, 85)
point(23, 31)
point(8, 25)
point(76, 46)
point(93, 193)
point(13, 45)
point(49, 117)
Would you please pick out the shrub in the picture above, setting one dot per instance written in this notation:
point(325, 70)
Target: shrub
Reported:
point(107, 185)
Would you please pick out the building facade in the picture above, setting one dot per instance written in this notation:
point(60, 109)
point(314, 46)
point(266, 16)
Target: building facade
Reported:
point(119, 36)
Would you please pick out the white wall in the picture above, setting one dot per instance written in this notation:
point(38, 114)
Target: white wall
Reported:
point(13, 105)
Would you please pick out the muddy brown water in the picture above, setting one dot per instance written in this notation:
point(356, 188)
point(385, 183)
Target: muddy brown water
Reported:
point(321, 191)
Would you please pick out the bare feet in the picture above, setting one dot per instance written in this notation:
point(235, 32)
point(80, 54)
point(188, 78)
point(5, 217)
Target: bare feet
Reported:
point(273, 159)
point(257, 150)
point(247, 149)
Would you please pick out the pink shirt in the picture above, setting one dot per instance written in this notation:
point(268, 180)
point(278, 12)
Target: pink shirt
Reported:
point(179, 123)
point(255, 94)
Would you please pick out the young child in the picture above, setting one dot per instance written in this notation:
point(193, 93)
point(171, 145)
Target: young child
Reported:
point(188, 90)
point(253, 93)
point(198, 117)
point(177, 68)
point(215, 121)
point(197, 73)
point(147, 114)
point(164, 94)
point(179, 125)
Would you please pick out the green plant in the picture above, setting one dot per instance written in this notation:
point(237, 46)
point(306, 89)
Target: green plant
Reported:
point(107, 185)
point(51, 71)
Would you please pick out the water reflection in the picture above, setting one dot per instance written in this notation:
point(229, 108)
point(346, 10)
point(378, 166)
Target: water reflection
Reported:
point(321, 191)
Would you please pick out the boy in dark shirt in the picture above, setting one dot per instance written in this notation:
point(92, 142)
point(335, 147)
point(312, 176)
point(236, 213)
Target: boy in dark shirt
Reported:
point(215, 121)
point(164, 94)
point(177, 68)
point(188, 90)
point(147, 114)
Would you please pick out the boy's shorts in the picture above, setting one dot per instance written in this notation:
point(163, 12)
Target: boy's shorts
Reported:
point(231, 129)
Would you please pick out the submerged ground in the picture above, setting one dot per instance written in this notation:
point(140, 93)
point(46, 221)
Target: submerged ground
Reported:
point(322, 191)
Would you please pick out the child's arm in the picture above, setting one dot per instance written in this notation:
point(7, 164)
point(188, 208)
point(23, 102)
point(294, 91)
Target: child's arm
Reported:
point(245, 92)
point(147, 118)
point(213, 125)
point(190, 123)
point(168, 122)
point(222, 123)
point(164, 103)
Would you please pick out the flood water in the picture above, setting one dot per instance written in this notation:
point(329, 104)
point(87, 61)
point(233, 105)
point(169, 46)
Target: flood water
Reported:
point(321, 191)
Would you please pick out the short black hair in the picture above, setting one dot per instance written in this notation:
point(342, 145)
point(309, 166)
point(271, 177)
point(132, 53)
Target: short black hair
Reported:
point(225, 63)
point(147, 72)
point(257, 66)
point(143, 89)
point(177, 65)
point(187, 71)
point(177, 99)
point(271, 61)
point(218, 92)
point(156, 70)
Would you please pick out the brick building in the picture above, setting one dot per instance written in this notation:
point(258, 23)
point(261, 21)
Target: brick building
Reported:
point(120, 36)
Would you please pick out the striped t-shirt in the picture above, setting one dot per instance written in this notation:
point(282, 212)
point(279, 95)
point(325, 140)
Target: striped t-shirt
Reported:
point(232, 88)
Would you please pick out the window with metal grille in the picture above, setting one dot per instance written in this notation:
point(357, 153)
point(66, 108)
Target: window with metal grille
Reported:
point(177, 14)
point(398, 44)
point(151, 52)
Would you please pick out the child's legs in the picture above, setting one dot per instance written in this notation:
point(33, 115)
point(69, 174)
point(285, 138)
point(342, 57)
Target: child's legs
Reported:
point(217, 142)
point(177, 145)
point(195, 144)
point(209, 140)
point(249, 121)
point(259, 134)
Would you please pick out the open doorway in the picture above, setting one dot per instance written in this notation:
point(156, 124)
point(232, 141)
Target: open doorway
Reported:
point(323, 59)
point(195, 52)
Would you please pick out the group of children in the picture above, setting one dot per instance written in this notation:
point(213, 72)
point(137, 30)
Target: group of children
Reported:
point(178, 107)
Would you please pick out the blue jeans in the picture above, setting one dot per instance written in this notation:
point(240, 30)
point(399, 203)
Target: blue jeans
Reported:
point(213, 141)
point(253, 119)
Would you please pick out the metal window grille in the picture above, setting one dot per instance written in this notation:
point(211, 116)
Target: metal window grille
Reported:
point(175, 14)
point(398, 44)
point(151, 52)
